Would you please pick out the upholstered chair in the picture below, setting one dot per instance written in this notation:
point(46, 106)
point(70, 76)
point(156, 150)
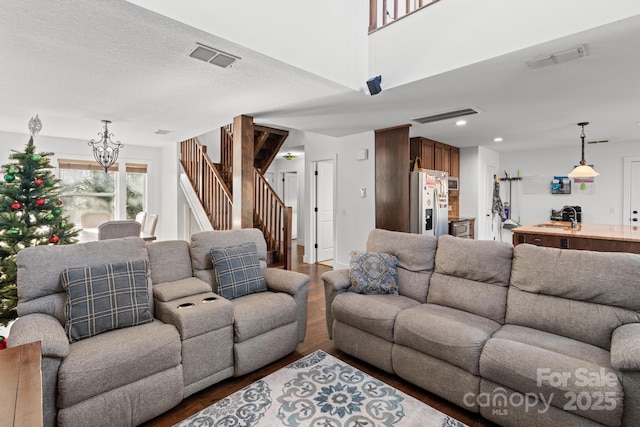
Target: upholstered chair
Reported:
point(94, 219)
point(119, 229)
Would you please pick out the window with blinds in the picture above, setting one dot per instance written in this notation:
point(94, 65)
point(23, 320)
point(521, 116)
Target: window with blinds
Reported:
point(85, 187)
point(136, 188)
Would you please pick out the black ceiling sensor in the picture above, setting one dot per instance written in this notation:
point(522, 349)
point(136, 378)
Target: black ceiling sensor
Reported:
point(374, 85)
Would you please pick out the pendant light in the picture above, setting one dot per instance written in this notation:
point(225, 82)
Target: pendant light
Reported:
point(105, 151)
point(583, 170)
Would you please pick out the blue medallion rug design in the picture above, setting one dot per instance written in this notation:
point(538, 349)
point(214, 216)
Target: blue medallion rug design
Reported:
point(319, 391)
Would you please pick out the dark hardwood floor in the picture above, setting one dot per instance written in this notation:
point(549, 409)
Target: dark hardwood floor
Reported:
point(316, 338)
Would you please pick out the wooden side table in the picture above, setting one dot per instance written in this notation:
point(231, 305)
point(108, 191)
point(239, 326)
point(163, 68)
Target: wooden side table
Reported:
point(21, 385)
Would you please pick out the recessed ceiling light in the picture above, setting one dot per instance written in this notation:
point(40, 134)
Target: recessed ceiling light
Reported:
point(498, 139)
point(461, 122)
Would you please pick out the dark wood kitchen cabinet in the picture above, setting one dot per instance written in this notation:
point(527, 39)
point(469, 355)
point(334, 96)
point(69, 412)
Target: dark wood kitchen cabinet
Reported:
point(394, 159)
point(591, 237)
point(392, 178)
point(424, 149)
point(454, 169)
point(442, 157)
point(435, 155)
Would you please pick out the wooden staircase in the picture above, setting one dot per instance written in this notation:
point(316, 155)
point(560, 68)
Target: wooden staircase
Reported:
point(267, 143)
point(213, 184)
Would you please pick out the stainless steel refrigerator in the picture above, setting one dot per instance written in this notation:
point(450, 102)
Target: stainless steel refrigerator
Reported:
point(429, 202)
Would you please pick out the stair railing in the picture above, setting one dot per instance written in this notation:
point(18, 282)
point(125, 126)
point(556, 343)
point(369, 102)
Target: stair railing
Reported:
point(273, 218)
point(209, 185)
point(226, 155)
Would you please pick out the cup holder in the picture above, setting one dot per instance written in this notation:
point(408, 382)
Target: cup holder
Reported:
point(210, 299)
point(186, 305)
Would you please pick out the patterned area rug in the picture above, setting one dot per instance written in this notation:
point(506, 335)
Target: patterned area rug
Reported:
point(320, 391)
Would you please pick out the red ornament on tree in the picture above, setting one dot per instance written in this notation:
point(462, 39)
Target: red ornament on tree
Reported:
point(40, 202)
point(15, 206)
point(38, 182)
point(59, 202)
point(54, 239)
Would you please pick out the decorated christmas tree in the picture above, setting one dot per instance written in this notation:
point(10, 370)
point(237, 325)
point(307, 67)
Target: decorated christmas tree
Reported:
point(30, 214)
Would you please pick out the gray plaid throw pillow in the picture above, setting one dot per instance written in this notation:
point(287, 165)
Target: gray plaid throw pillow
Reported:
point(105, 297)
point(237, 270)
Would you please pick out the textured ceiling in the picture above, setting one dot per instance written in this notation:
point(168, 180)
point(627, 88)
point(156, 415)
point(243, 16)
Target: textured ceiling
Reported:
point(75, 63)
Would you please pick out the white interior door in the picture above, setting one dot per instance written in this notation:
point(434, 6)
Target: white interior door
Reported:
point(324, 206)
point(290, 198)
point(634, 202)
point(489, 223)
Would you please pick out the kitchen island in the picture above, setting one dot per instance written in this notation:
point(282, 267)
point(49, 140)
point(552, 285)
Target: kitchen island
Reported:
point(592, 237)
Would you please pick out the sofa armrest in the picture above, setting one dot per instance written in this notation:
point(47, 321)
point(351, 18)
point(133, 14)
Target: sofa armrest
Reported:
point(625, 347)
point(44, 328)
point(335, 282)
point(296, 285)
point(54, 346)
point(285, 280)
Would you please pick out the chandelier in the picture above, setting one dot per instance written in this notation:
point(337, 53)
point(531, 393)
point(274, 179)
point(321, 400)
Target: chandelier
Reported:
point(583, 170)
point(105, 151)
point(289, 156)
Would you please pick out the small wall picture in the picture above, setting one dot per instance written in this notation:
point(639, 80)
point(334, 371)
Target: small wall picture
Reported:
point(560, 185)
point(583, 185)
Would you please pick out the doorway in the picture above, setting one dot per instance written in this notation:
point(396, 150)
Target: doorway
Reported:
point(631, 198)
point(491, 228)
point(290, 198)
point(324, 215)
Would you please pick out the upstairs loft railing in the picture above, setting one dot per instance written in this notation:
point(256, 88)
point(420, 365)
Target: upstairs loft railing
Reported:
point(384, 12)
point(273, 218)
point(209, 185)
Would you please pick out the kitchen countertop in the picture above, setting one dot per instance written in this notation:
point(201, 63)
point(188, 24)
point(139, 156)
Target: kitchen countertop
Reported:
point(590, 231)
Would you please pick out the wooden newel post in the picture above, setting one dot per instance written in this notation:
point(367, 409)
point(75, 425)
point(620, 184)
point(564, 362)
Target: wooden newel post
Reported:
point(243, 184)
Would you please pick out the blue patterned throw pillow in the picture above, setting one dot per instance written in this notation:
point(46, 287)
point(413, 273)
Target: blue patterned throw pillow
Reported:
point(373, 273)
point(238, 271)
point(105, 297)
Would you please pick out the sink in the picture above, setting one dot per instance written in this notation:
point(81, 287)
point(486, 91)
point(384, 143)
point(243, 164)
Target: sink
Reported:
point(551, 226)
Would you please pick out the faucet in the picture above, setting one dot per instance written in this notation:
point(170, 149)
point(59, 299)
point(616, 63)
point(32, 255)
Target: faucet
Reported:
point(574, 220)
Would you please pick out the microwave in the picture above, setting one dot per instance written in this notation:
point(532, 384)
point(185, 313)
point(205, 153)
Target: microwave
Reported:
point(454, 183)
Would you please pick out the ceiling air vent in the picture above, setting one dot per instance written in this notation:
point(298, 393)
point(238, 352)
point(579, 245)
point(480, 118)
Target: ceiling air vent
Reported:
point(213, 56)
point(446, 115)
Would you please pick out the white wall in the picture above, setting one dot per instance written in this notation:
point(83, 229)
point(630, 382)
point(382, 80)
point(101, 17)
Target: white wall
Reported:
point(469, 180)
point(327, 38)
point(297, 165)
point(211, 140)
point(354, 216)
point(168, 175)
point(159, 174)
point(452, 34)
point(604, 206)
point(475, 189)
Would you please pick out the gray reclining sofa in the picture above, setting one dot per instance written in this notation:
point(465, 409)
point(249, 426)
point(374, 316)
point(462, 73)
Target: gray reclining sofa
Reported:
point(526, 336)
point(189, 337)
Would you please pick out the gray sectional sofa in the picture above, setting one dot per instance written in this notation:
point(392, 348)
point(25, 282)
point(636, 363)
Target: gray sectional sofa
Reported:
point(196, 338)
point(526, 336)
